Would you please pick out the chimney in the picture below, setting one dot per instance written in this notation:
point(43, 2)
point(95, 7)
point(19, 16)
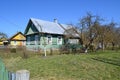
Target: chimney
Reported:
point(55, 20)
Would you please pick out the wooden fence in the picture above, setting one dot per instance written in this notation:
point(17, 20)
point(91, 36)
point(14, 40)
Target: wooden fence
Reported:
point(7, 75)
point(3, 71)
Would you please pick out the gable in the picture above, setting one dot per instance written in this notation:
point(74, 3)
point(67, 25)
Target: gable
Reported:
point(30, 29)
point(18, 36)
point(3, 39)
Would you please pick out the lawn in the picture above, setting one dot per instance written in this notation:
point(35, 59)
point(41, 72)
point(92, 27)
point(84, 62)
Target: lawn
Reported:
point(92, 66)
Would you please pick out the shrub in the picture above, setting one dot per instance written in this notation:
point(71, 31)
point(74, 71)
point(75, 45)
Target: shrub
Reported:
point(25, 55)
point(13, 50)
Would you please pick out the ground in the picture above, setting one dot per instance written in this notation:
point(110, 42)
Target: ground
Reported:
point(93, 66)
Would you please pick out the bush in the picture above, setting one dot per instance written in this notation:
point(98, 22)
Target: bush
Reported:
point(13, 50)
point(70, 48)
point(25, 55)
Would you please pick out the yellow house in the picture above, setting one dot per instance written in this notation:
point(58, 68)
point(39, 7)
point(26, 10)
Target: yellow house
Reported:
point(18, 39)
point(1, 42)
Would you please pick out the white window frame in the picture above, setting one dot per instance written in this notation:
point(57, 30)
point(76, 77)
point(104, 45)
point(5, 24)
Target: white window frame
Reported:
point(49, 42)
point(59, 42)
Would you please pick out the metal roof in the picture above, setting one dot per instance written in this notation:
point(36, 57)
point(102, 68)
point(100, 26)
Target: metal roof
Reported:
point(49, 27)
point(52, 27)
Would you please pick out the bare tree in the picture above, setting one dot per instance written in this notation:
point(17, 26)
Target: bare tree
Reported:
point(3, 35)
point(89, 26)
point(117, 39)
point(110, 34)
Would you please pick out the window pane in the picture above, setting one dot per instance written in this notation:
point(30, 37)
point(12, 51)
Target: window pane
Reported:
point(59, 40)
point(49, 39)
point(28, 40)
point(36, 39)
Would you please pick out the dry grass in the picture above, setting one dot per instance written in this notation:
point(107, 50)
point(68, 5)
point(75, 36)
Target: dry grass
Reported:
point(65, 67)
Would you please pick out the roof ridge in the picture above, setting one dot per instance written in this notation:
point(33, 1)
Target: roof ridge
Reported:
point(36, 19)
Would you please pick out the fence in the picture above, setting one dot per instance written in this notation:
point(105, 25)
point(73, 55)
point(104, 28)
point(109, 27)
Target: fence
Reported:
point(3, 71)
point(6, 75)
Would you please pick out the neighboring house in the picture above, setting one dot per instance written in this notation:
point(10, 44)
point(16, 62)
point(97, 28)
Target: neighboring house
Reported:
point(18, 39)
point(42, 34)
point(3, 41)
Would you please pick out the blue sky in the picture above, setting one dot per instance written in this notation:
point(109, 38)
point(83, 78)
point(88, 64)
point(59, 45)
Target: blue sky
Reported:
point(14, 14)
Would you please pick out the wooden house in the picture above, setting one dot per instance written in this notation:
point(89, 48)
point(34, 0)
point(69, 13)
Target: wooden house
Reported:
point(18, 39)
point(3, 41)
point(42, 34)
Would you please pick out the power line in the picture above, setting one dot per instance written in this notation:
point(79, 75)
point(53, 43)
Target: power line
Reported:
point(8, 21)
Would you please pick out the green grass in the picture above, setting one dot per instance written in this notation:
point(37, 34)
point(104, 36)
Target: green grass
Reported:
point(93, 66)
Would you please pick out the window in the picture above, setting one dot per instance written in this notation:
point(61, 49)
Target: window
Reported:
point(28, 40)
point(49, 39)
point(73, 41)
point(59, 40)
point(36, 39)
point(15, 43)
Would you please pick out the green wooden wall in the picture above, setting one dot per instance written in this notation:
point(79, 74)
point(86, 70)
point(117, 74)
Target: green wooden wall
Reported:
point(42, 42)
